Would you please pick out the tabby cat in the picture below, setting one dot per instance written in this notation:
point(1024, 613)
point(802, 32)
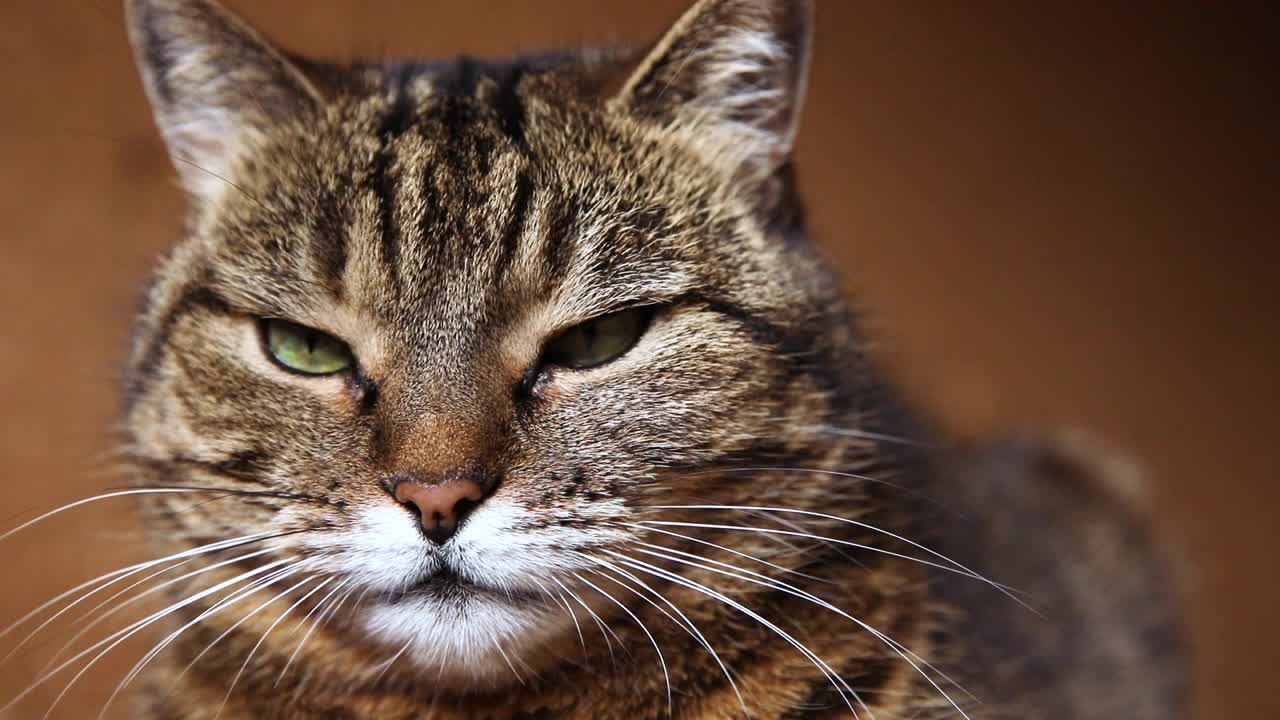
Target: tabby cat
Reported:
point(516, 389)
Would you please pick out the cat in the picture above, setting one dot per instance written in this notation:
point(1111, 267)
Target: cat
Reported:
point(517, 389)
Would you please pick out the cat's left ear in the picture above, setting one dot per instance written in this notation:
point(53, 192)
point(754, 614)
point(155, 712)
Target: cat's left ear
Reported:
point(216, 86)
point(733, 68)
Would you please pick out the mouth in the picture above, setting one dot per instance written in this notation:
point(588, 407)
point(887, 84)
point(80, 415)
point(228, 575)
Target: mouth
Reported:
point(446, 584)
point(441, 582)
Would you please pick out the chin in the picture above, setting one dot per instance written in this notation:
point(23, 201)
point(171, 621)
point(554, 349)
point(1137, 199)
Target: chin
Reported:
point(459, 635)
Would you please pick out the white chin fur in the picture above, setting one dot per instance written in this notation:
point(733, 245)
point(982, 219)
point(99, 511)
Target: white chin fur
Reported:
point(471, 641)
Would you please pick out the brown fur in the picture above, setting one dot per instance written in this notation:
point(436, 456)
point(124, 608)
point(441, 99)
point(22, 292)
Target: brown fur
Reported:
point(445, 220)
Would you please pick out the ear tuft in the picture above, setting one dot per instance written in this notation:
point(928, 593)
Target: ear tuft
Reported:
point(214, 84)
point(734, 68)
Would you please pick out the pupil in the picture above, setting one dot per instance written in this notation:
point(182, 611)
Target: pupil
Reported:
point(311, 343)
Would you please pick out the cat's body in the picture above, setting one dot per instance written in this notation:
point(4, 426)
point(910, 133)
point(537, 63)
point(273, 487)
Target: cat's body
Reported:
point(451, 224)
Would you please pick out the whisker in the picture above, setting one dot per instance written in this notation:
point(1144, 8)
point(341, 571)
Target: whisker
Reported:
point(386, 664)
point(795, 548)
point(814, 471)
point(661, 660)
point(687, 625)
point(48, 603)
point(151, 591)
point(231, 598)
point(731, 551)
point(96, 498)
point(235, 597)
point(497, 644)
point(765, 581)
point(91, 612)
point(564, 603)
point(359, 600)
point(868, 435)
point(599, 623)
point(311, 628)
point(848, 543)
point(810, 513)
point(331, 613)
point(905, 490)
point(119, 637)
point(121, 574)
point(841, 686)
point(263, 638)
point(321, 621)
point(237, 188)
point(122, 591)
point(582, 640)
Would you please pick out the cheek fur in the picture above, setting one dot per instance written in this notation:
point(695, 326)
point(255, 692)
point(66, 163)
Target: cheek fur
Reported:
point(380, 548)
point(507, 547)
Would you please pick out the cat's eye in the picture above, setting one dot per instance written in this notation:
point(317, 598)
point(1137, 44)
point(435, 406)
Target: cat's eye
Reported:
point(599, 340)
point(304, 350)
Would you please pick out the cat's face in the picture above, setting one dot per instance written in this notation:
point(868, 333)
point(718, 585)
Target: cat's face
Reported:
point(455, 328)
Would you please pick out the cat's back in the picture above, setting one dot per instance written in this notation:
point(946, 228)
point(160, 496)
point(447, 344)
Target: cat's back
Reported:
point(1063, 524)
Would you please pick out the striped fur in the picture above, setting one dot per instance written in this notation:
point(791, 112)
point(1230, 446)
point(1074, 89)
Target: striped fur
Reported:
point(445, 219)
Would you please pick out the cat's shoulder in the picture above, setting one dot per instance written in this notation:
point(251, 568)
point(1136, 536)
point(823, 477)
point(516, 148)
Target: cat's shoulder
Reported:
point(1066, 523)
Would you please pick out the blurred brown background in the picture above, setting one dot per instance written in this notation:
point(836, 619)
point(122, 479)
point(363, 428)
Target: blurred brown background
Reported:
point(1063, 215)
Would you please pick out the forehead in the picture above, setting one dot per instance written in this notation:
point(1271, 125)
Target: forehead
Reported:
point(454, 202)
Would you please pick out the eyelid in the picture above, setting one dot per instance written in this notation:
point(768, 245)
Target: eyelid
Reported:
point(650, 311)
point(655, 306)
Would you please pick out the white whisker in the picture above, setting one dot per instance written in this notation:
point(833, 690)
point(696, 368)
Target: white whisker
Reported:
point(91, 612)
point(497, 644)
point(684, 622)
point(237, 595)
point(810, 513)
point(115, 639)
point(97, 498)
point(147, 593)
point(569, 609)
point(775, 531)
point(599, 623)
point(661, 660)
point(265, 633)
point(118, 575)
point(765, 581)
point(841, 686)
point(729, 550)
point(310, 629)
point(868, 435)
point(386, 664)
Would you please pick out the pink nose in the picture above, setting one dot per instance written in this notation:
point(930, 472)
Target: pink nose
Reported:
point(440, 506)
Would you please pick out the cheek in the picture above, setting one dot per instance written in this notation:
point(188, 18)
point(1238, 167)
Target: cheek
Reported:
point(508, 544)
point(379, 547)
point(687, 400)
point(217, 400)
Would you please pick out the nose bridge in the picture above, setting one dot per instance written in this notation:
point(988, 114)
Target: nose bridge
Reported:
point(440, 424)
point(440, 461)
point(440, 444)
point(441, 406)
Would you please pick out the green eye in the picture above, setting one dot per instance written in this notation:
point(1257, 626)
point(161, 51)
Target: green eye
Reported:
point(304, 350)
point(599, 340)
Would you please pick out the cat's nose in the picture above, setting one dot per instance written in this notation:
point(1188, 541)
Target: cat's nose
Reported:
point(441, 506)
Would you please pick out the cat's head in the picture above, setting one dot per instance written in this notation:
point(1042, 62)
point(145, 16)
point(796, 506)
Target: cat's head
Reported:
point(452, 329)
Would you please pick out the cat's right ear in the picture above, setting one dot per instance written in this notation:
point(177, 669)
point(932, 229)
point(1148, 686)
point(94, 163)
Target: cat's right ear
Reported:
point(734, 71)
point(216, 86)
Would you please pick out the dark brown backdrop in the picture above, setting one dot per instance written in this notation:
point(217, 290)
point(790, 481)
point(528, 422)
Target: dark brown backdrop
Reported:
point(1059, 213)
